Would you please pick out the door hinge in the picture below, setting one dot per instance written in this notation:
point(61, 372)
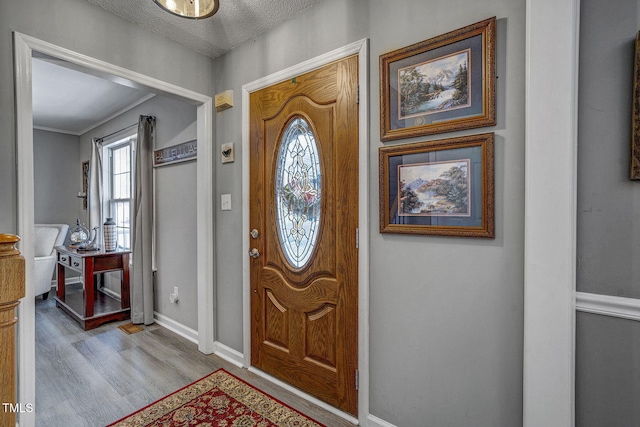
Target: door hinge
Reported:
point(357, 238)
point(358, 95)
point(357, 379)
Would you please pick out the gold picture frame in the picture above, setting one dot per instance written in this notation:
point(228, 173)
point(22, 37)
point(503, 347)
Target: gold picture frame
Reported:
point(442, 84)
point(635, 128)
point(85, 183)
point(443, 187)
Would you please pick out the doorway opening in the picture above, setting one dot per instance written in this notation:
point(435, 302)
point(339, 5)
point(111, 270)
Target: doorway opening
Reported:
point(24, 48)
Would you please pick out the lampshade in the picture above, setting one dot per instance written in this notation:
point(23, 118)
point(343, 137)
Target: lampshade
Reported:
point(194, 9)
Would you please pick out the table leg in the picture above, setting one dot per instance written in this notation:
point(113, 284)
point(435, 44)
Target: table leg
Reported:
point(125, 289)
point(89, 290)
point(61, 282)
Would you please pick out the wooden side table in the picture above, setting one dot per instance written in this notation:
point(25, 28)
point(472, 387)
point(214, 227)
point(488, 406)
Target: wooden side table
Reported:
point(92, 308)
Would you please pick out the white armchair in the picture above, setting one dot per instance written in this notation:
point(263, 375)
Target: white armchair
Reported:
point(46, 238)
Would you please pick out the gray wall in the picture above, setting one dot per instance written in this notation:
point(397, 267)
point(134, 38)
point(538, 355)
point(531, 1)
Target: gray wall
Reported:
point(607, 369)
point(446, 333)
point(176, 230)
point(608, 202)
point(57, 177)
point(88, 29)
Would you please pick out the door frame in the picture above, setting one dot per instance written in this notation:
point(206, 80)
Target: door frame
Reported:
point(23, 47)
point(361, 48)
point(551, 117)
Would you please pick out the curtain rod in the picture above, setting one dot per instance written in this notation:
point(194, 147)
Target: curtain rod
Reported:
point(116, 132)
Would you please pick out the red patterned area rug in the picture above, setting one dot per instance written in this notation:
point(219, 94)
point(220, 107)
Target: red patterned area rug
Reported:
point(218, 400)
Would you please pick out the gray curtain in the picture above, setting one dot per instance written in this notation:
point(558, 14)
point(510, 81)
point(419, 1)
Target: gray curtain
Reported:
point(142, 225)
point(94, 184)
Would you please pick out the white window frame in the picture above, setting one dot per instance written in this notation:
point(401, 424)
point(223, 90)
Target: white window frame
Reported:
point(109, 146)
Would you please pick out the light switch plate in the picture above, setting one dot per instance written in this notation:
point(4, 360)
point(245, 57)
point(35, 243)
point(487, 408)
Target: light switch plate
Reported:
point(225, 201)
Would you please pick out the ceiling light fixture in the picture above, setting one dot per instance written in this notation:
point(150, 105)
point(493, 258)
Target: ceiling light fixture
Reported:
point(193, 9)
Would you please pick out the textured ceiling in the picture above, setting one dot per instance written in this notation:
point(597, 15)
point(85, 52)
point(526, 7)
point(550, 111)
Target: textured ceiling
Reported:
point(235, 22)
point(71, 100)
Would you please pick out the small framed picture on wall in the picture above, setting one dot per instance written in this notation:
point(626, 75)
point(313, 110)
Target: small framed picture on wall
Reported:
point(443, 84)
point(442, 188)
point(85, 183)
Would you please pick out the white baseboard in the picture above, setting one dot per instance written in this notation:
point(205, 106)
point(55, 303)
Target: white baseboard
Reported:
point(220, 350)
point(176, 327)
point(229, 354)
point(111, 293)
point(607, 305)
point(373, 421)
point(67, 281)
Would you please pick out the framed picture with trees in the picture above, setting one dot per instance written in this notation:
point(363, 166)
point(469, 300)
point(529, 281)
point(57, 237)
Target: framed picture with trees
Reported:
point(443, 187)
point(635, 127)
point(443, 84)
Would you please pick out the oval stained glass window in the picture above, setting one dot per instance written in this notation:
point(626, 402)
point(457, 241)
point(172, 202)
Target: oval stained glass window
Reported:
point(298, 192)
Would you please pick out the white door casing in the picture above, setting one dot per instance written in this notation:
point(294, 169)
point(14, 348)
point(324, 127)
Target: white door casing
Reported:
point(23, 47)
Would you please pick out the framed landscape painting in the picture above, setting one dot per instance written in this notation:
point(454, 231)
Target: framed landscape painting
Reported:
point(635, 128)
point(85, 183)
point(439, 85)
point(442, 187)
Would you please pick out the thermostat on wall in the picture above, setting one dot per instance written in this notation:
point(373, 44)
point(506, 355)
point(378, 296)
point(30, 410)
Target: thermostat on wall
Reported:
point(223, 100)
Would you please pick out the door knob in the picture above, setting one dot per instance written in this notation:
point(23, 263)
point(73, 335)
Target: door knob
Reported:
point(254, 233)
point(253, 253)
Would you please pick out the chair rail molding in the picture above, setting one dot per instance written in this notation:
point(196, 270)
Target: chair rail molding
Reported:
point(608, 305)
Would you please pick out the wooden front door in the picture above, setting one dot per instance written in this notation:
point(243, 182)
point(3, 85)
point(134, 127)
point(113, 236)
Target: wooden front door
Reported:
point(304, 217)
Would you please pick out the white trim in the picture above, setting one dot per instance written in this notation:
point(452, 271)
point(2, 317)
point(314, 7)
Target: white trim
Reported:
point(23, 47)
point(305, 396)
point(373, 421)
point(363, 230)
point(551, 112)
point(142, 81)
point(25, 356)
point(608, 305)
point(118, 113)
point(205, 220)
point(113, 294)
point(67, 280)
point(176, 327)
point(229, 354)
point(361, 48)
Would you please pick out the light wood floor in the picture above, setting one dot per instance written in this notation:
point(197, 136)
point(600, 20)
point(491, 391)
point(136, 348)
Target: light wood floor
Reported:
point(96, 377)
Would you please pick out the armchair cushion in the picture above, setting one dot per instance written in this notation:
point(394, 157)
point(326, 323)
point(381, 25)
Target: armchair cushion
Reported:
point(46, 238)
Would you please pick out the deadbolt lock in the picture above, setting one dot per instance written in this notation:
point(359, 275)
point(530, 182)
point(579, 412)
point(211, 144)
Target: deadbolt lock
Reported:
point(253, 253)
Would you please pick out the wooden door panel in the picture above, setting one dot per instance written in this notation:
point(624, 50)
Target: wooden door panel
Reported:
point(307, 298)
point(304, 319)
point(319, 83)
point(320, 346)
point(276, 322)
